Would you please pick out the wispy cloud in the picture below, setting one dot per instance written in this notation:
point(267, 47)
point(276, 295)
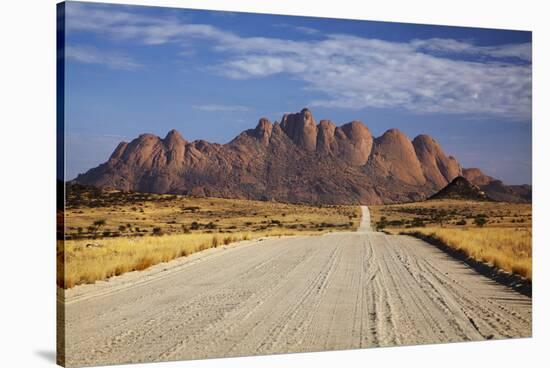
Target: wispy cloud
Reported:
point(355, 72)
point(422, 76)
point(221, 108)
point(92, 55)
point(305, 30)
point(449, 47)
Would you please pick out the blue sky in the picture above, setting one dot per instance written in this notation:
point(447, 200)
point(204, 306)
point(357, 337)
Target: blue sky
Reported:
point(211, 75)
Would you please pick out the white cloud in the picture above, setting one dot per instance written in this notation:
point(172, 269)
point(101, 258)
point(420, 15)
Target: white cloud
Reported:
point(221, 108)
point(424, 76)
point(92, 55)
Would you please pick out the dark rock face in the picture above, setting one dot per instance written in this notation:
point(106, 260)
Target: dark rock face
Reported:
point(295, 161)
point(460, 188)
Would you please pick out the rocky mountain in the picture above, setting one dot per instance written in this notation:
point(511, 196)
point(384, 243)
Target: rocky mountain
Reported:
point(496, 189)
point(296, 160)
point(460, 188)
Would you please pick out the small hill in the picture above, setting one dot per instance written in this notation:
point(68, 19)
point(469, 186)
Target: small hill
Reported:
point(461, 188)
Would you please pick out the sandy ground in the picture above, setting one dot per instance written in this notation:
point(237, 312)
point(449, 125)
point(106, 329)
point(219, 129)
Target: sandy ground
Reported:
point(337, 291)
point(365, 225)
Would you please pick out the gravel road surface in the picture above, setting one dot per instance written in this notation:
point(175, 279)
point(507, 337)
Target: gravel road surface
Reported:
point(294, 294)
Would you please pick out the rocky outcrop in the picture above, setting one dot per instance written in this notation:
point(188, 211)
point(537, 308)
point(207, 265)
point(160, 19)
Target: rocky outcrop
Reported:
point(438, 168)
point(476, 176)
point(460, 188)
point(295, 161)
point(301, 128)
point(496, 189)
point(393, 158)
point(352, 142)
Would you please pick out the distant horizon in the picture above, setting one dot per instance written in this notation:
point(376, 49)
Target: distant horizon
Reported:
point(211, 75)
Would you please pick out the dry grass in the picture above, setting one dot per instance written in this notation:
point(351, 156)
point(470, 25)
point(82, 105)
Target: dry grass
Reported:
point(87, 262)
point(506, 248)
point(503, 240)
point(134, 231)
point(139, 214)
point(451, 213)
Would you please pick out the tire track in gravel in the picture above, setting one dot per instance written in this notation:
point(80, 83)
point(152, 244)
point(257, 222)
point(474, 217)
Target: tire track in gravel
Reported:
point(296, 294)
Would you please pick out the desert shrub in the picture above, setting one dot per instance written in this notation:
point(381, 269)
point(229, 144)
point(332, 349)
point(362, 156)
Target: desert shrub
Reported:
point(157, 231)
point(381, 224)
point(396, 223)
point(418, 222)
point(99, 223)
point(480, 220)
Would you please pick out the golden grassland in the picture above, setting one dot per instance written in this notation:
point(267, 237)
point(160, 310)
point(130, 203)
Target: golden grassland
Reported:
point(507, 248)
point(87, 262)
point(141, 214)
point(110, 232)
point(492, 232)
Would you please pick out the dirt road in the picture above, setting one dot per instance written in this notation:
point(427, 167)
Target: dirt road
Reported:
point(337, 291)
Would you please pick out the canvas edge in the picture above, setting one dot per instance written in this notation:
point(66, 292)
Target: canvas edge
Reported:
point(60, 183)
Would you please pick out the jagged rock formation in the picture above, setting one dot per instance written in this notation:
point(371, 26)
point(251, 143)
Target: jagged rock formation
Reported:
point(437, 167)
point(393, 157)
point(296, 161)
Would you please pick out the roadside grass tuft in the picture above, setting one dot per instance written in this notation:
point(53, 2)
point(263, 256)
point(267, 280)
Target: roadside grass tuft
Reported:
point(506, 248)
point(115, 256)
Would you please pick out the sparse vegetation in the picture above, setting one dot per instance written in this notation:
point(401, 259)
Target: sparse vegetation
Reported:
point(480, 220)
point(96, 210)
point(508, 249)
point(132, 231)
point(492, 232)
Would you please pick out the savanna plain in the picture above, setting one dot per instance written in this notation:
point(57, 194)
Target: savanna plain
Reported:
point(164, 277)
